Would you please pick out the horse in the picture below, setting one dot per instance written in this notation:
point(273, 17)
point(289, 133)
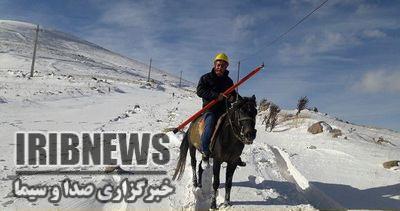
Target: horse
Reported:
point(237, 129)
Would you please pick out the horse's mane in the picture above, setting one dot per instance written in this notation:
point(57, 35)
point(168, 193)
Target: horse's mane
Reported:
point(242, 100)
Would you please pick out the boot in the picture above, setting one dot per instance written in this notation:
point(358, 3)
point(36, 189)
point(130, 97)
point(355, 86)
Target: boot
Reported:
point(206, 156)
point(205, 160)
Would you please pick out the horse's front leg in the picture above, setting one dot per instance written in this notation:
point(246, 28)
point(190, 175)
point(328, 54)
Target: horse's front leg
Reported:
point(199, 183)
point(230, 170)
point(216, 169)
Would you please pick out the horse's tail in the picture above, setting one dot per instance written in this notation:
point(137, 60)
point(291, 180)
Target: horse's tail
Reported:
point(180, 167)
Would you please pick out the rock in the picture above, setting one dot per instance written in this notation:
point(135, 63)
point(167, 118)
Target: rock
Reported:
point(315, 128)
point(12, 177)
point(336, 133)
point(116, 89)
point(3, 100)
point(380, 140)
point(5, 204)
point(326, 126)
point(312, 147)
point(390, 164)
point(130, 111)
point(319, 127)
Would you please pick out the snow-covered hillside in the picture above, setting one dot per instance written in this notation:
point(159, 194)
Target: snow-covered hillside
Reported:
point(69, 65)
point(82, 87)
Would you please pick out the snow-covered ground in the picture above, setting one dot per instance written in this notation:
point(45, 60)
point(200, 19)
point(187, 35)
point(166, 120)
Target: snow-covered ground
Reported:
point(79, 87)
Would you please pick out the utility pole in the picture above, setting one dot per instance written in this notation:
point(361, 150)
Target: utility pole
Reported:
point(148, 77)
point(34, 50)
point(180, 80)
point(238, 75)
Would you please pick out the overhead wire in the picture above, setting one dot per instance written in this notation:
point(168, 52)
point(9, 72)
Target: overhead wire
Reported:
point(286, 32)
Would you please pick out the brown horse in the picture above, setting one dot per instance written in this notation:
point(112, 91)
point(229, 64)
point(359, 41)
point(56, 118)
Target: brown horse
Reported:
point(237, 129)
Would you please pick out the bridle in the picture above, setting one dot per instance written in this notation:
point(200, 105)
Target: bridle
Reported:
point(237, 129)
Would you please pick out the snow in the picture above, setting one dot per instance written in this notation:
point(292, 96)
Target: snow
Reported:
point(298, 177)
point(80, 86)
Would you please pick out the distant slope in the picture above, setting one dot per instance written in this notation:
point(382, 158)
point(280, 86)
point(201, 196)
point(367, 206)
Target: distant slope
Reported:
point(59, 52)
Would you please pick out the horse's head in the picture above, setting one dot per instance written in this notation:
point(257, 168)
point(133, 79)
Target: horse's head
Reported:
point(243, 118)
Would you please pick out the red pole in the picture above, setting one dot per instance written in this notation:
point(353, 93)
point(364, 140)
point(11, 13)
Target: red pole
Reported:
point(213, 102)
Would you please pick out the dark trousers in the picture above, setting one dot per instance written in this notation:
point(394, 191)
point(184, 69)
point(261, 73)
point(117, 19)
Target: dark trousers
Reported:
point(210, 119)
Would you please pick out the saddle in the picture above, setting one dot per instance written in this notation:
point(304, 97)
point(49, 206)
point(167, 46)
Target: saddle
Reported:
point(197, 129)
point(216, 130)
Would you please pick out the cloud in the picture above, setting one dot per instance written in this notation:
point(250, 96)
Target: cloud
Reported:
point(310, 48)
point(178, 36)
point(379, 81)
point(366, 9)
point(374, 33)
point(336, 29)
point(241, 26)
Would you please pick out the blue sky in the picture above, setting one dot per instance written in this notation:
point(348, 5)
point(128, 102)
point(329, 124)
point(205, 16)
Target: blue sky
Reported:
point(345, 58)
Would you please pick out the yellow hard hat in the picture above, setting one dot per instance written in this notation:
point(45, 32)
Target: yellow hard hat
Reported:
point(221, 56)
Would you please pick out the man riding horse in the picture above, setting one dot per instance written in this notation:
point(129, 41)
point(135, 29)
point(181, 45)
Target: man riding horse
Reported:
point(211, 86)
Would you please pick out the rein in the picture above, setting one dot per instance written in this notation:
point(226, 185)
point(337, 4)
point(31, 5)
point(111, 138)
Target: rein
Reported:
point(239, 135)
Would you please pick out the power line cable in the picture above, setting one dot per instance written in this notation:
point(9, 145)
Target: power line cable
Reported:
point(286, 32)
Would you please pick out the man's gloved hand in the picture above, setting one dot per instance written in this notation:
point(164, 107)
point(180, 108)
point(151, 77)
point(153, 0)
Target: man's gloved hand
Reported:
point(230, 97)
point(221, 97)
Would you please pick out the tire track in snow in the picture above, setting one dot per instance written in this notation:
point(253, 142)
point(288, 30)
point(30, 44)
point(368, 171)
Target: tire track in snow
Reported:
point(265, 163)
point(273, 186)
point(315, 196)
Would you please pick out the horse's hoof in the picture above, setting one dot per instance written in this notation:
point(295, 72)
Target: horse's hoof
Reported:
point(205, 165)
point(226, 204)
point(213, 205)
